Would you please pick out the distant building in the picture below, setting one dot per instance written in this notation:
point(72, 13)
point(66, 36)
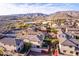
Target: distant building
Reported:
point(74, 31)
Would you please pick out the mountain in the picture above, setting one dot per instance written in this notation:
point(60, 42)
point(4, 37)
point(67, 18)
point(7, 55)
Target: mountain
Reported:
point(7, 19)
point(41, 16)
point(65, 15)
point(61, 15)
point(32, 14)
point(15, 16)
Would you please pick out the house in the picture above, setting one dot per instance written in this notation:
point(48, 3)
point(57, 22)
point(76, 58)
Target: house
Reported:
point(36, 41)
point(36, 38)
point(70, 47)
point(68, 44)
point(11, 44)
point(74, 31)
point(61, 35)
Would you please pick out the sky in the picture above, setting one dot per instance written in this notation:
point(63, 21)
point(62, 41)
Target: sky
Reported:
point(46, 8)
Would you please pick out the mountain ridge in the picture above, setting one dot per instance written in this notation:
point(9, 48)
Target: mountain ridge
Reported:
point(56, 15)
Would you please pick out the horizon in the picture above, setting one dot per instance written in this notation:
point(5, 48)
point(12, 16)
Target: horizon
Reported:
point(33, 13)
point(45, 8)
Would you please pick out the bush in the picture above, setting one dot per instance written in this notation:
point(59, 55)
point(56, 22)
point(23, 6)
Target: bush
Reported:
point(1, 51)
point(44, 45)
point(54, 30)
point(77, 37)
point(27, 46)
point(22, 25)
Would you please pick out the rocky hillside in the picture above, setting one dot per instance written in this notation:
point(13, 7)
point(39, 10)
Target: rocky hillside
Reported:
point(40, 16)
point(15, 16)
point(65, 15)
point(61, 15)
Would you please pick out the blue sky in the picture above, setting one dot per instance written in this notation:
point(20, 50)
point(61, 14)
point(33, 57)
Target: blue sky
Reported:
point(46, 8)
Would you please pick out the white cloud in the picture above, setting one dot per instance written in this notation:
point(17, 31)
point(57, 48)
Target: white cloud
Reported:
point(10, 9)
point(33, 8)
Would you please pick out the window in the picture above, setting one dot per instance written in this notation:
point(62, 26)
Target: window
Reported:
point(18, 49)
point(38, 46)
point(64, 51)
point(70, 46)
point(4, 44)
point(77, 53)
point(22, 33)
point(71, 52)
point(14, 50)
point(33, 46)
point(77, 45)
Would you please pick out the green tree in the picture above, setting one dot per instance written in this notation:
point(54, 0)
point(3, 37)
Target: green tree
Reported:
point(77, 37)
point(54, 30)
point(48, 41)
point(22, 25)
point(52, 42)
point(27, 46)
point(10, 26)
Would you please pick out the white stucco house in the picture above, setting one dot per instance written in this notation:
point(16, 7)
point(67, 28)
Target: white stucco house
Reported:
point(68, 44)
point(11, 44)
point(30, 36)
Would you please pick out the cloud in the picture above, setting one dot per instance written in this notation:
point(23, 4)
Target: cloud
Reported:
point(10, 9)
point(47, 8)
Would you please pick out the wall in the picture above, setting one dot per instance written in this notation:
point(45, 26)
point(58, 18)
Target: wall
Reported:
point(61, 37)
point(68, 49)
point(8, 47)
point(36, 49)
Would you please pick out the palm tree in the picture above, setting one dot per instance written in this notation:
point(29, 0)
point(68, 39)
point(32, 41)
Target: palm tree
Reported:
point(52, 42)
point(52, 45)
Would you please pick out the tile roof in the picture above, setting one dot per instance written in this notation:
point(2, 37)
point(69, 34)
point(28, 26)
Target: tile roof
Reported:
point(68, 43)
point(10, 38)
point(33, 38)
point(8, 41)
point(72, 42)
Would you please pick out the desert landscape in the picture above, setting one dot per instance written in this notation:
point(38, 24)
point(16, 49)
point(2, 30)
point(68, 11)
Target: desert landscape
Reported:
point(40, 34)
